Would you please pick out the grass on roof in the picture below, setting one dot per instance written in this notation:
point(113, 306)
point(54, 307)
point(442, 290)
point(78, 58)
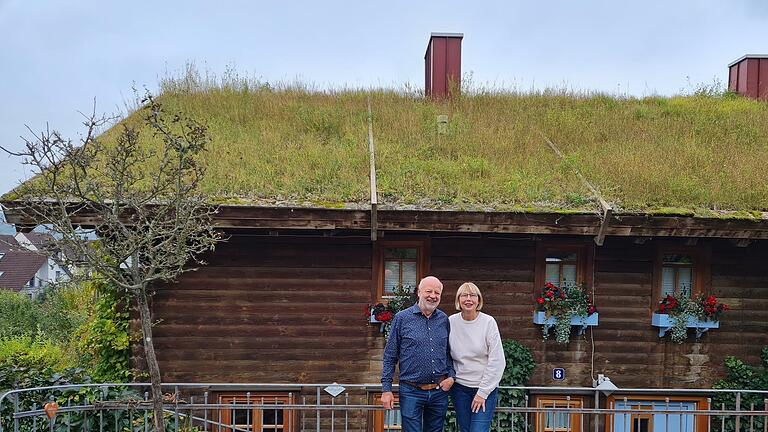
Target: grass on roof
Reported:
point(296, 143)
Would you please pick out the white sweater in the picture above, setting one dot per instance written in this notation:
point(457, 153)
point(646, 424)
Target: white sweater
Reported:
point(478, 356)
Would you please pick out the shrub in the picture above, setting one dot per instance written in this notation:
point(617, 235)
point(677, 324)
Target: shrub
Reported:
point(740, 375)
point(19, 315)
point(103, 340)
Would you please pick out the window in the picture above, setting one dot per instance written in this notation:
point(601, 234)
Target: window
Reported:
point(652, 421)
point(563, 263)
point(399, 263)
point(561, 268)
point(389, 420)
point(676, 275)
point(558, 421)
point(680, 271)
point(256, 419)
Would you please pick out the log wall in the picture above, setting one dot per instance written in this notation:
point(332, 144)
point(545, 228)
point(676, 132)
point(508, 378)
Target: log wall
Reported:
point(291, 309)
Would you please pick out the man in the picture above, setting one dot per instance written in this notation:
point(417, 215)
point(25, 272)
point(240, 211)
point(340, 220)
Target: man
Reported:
point(418, 342)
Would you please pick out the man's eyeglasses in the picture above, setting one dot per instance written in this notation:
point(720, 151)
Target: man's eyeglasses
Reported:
point(468, 295)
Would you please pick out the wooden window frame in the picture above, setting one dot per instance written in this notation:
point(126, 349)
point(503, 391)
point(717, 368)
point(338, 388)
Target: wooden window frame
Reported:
point(700, 421)
point(224, 414)
point(422, 256)
point(700, 269)
point(377, 418)
point(585, 261)
point(556, 400)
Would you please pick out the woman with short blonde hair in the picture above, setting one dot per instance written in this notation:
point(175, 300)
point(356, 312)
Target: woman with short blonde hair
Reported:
point(478, 359)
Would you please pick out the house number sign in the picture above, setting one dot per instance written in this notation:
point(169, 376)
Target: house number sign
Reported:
point(558, 374)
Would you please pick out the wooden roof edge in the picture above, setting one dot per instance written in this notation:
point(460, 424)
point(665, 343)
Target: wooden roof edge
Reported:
point(588, 224)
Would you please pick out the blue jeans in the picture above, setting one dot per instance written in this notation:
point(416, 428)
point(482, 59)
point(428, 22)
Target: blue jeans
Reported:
point(462, 403)
point(422, 410)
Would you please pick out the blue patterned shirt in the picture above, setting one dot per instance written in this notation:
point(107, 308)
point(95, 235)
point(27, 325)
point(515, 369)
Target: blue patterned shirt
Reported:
point(420, 344)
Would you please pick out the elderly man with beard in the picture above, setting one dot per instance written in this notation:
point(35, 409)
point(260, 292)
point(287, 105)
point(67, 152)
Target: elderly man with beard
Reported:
point(418, 343)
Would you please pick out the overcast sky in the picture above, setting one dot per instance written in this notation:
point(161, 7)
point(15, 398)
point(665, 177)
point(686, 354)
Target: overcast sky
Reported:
point(56, 57)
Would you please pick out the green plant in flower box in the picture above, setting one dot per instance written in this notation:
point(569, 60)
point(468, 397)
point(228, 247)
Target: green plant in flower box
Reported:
point(563, 304)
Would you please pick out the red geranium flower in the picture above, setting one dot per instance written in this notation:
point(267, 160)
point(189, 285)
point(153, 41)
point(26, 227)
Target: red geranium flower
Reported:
point(540, 300)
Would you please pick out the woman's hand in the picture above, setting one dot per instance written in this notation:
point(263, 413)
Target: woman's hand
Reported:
point(446, 384)
point(477, 403)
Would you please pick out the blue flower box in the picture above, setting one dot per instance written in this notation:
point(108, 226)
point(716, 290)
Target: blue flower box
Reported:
point(582, 322)
point(664, 323)
point(373, 318)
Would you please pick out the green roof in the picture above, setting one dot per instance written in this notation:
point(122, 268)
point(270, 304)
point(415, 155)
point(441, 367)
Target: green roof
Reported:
point(681, 155)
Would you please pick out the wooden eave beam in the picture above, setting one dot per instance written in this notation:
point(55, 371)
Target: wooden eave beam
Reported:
point(374, 192)
point(294, 218)
point(607, 209)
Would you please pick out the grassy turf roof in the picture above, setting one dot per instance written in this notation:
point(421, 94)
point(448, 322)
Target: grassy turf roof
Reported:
point(681, 155)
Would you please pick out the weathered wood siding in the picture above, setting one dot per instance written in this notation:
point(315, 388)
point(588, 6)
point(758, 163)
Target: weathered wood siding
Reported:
point(290, 309)
point(270, 309)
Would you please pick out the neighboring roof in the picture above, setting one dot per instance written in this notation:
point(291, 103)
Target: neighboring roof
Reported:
point(692, 156)
point(40, 241)
point(748, 56)
point(17, 266)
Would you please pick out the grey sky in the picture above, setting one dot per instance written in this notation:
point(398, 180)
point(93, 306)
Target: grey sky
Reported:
point(56, 57)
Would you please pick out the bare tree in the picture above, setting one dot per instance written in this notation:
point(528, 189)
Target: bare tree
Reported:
point(140, 194)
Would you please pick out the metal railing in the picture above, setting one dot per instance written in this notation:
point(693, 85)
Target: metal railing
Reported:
point(354, 407)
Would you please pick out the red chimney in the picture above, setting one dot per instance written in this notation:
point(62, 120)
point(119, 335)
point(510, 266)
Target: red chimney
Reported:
point(442, 65)
point(748, 76)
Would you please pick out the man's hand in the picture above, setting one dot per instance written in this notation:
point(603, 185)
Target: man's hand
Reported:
point(388, 400)
point(446, 384)
point(477, 403)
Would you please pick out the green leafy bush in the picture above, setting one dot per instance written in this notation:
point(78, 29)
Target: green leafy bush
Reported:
point(740, 375)
point(103, 340)
point(19, 315)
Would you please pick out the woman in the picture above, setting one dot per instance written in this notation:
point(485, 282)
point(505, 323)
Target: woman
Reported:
point(478, 358)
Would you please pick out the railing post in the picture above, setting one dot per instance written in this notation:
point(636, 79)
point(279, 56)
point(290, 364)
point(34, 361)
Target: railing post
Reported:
point(248, 412)
point(318, 409)
point(205, 410)
point(146, 415)
point(176, 407)
point(15, 411)
point(596, 418)
point(51, 419)
point(526, 411)
point(737, 428)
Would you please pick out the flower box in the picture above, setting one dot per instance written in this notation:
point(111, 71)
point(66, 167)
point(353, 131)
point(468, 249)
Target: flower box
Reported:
point(582, 322)
point(373, 317)
point(664, 323)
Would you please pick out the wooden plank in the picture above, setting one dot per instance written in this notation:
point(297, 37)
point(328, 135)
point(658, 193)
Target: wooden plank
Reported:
point(372, 158)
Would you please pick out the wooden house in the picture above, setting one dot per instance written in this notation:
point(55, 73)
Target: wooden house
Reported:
point(634, 198)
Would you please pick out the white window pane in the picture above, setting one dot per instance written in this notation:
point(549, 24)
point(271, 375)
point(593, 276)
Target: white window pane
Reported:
point(552, 274)
point(391, 276)
point(569, 275)
point(667, 281)
point(410, 274)
point(684, 281)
